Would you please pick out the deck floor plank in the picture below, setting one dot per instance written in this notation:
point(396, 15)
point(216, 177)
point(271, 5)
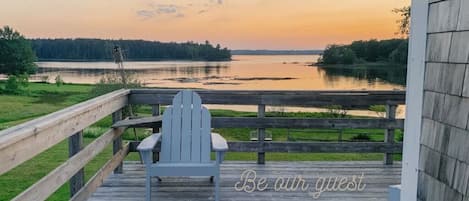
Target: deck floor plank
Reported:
point(130, 185)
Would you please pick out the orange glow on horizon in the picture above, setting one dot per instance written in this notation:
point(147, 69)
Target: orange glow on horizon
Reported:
point(237, 24)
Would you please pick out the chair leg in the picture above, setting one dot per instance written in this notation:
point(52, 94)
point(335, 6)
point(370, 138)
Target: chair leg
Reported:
point(148, 187)
point(217, 187)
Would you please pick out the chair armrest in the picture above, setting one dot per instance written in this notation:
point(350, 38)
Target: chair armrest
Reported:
point(219, 143)
point(141, 122)
point(149, 143)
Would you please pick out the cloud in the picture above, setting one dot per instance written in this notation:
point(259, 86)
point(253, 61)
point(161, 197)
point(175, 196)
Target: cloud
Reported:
point(202, 11)
point(216, 1)
point(171, 10)
point(145, 14)
point(166, 9)
point(177, 11)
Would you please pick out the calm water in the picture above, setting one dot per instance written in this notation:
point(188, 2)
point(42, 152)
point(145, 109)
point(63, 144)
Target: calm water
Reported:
point(282, 72)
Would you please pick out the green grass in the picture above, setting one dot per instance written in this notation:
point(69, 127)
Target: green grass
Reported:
point(37, 100)
point(26, 174)
point(40, 99)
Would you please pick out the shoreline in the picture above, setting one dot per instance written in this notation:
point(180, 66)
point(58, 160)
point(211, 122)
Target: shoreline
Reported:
point(369, 65)
point(127, 60)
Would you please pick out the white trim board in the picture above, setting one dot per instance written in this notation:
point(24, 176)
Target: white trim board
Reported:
point(414, 99)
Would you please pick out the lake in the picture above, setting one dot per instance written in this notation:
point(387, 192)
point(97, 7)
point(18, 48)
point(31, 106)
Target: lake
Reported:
point(248, 72)
point(245, 72)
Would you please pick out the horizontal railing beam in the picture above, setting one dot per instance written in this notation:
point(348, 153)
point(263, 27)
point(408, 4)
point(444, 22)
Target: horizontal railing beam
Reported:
point(102, 174)
point(317, 147)
point(23, 142)
point(346, 99)
point(277, 122)
point(305, 147)
point(60, 175)
point(281, 122)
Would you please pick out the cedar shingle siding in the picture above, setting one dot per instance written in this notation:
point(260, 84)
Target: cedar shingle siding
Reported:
point(444, 145)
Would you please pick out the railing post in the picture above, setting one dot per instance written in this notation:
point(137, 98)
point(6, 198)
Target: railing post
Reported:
point(261, 135)
point(389, 133)
point(117, 143)
point(341, 133)
point(75, 145)
point(155, 110)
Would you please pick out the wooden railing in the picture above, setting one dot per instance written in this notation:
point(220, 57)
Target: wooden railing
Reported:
point(21, 143)
point(346, 99)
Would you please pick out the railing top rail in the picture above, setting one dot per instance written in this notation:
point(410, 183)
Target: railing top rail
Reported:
point(365, 92)
point(346, 98)
point(24, 141)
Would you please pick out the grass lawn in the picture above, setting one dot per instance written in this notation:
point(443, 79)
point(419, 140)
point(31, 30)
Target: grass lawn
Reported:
point(40, 99)
point(20, 178)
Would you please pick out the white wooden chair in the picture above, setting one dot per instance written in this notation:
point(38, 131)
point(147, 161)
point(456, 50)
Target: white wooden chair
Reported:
point(186, 143)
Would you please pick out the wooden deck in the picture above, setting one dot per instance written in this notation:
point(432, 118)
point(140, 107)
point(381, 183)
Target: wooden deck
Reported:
point(377, 178)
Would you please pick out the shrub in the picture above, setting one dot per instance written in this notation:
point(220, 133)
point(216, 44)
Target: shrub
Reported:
point(112, 82)
point(361, 137)
point(336, 111)
point(379, 109)
point(401, 137)
point(15, 84)
point(59, 81)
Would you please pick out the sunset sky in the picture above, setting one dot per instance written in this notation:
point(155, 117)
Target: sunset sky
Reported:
point(236, 24)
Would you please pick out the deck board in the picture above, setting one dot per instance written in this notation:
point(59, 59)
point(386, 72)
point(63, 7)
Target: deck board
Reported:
point(130, 185)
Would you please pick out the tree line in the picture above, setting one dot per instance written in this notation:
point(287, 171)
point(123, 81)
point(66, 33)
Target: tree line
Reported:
point(393, 51)
point(99, 49)
point(390, 51)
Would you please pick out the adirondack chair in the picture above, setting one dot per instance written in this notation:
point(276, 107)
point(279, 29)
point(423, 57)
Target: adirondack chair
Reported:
point(186, 143)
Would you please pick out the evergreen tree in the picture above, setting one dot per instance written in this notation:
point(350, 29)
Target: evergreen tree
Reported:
point(16, 56)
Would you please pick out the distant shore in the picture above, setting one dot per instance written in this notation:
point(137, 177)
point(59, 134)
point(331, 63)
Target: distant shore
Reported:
point(111, 60)
point(276, 52)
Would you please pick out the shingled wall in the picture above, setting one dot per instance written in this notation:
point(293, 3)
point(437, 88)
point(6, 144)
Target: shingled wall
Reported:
point(444, 145)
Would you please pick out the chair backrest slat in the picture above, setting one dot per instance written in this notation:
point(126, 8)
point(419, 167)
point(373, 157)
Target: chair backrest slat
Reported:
point(196, 127)
point(186, 127)
point(206, 137)
point(166, 131)
point(176, 128)
point(186, 130)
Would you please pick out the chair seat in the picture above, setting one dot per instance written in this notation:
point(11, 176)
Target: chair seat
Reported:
point(183, 164)
point(184, 169)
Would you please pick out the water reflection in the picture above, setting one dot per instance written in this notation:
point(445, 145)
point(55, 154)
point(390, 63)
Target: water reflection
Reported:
point(272, 72)
point(392, 74)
